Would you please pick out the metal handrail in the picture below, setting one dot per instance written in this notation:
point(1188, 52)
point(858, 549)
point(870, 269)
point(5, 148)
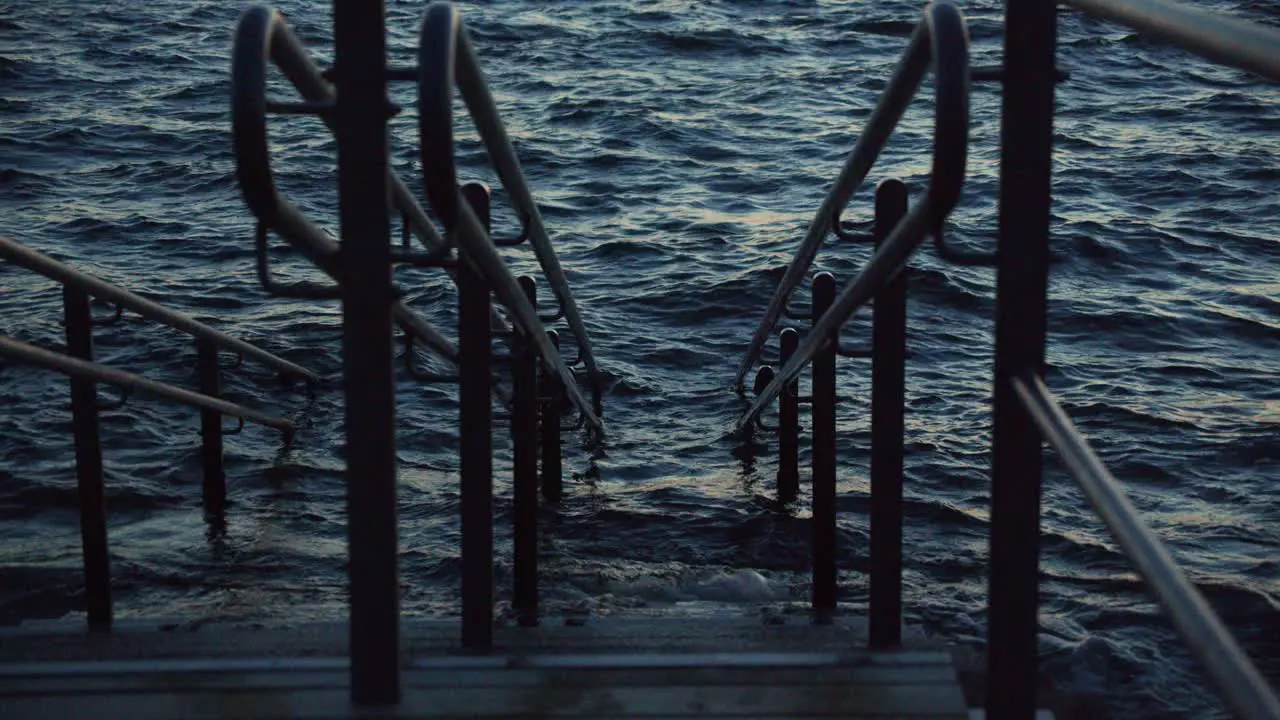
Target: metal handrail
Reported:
point(446, 58)
point(1239, 682)
point(265, 33)
point(484, 112)
point(879, 127)
point(75, 367)
point(262, 34)
point(943, 38)
point(1223, 39)
point(37, 262)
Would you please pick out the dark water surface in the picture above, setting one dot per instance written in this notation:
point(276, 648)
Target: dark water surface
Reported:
point(678, 150)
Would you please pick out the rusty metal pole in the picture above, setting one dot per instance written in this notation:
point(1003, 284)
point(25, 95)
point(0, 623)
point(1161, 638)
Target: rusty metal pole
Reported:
point(361, 114)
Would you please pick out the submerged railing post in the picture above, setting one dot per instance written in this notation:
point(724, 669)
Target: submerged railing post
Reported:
point(824, 457)
point(475, 364)
point(788, 424)
point(552, 480)
point(1022, 276)
point(889, 341)
point(215, 479)
point(89, 486)
point(524, 440)
point(367, 346)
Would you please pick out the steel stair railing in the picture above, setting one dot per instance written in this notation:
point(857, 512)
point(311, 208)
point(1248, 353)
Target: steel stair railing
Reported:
point(1026, 415)
point(78, 288)
point(37, 262)
point(1224, 40)
point(1240, 683)
point(921, 51)
point(263, 35)
point(97, 372)
point(940, 40)
point(446, 58)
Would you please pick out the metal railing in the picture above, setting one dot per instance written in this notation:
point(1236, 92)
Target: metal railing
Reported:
point(263, 36)
point(77, 289)
point(352, 100)
point(1025, 413)
point(129, 382)
point(446, 58)
point(1024, 410)
point(1225, 40)
point(940, 40)
point(1242, 686)
point(37, 262)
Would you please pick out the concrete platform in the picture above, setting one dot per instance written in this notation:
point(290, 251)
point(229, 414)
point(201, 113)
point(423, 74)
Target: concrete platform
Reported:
point(612, 668)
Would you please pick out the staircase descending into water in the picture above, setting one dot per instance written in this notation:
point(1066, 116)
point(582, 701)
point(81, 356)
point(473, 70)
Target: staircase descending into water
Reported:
point(827, 662)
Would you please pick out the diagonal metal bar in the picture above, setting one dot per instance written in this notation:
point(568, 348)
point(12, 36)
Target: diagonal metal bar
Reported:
point(287, 52)
point(19, 254)
point(948, 45)
point(442, 28)
point(886, 263)
point(1216, 36)
point(446, 58)
point(875, 135)
point(75, 367)
point(1239, 682)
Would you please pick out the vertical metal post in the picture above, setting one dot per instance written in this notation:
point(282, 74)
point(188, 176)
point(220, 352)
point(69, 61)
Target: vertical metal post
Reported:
point(475, 363)
point(361, 127)
point(215, 479)
point(524, 438)
point(788, 424)
point(888, 362)
point(1022, 276)
point(89, 487)
point(824, 457)
point(552, 481)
